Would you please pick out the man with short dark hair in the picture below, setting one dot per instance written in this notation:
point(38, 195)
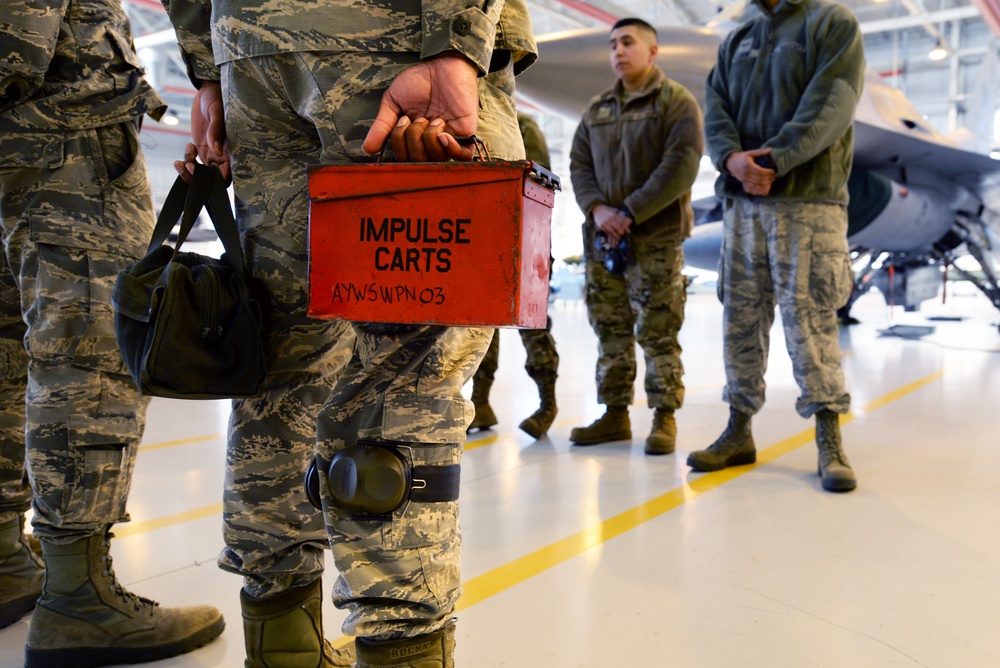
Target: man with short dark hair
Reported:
point(779, 119)
point(634, 159)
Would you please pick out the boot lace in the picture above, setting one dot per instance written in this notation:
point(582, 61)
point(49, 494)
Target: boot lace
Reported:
point(137, 602)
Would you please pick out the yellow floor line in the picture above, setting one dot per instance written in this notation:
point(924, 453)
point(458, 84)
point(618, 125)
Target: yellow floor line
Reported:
point(133, 528)
point(481, 442)
point(906, 389)
point(183, 441)
point(504, 577)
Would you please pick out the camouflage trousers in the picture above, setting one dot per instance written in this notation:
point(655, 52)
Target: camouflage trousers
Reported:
point(394, 383)
point(541, 363)
point(645, 305)
point(793, 255)
point(76, 208)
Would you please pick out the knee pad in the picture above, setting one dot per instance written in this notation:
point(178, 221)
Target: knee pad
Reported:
point(373, 479)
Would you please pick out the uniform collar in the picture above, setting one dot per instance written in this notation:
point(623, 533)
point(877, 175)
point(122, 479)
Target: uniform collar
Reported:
point(653, 82)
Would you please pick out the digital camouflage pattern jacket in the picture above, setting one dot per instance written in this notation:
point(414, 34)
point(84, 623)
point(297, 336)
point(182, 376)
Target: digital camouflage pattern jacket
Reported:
point(69, 65)
point(243, 29)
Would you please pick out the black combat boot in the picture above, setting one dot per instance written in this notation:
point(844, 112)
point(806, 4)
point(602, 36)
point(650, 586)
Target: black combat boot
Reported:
point(85, 618)
point(662, 438)
point(21, 571)
point(733, 448)
point(833, 467)
point(430, 650)
point(286, 630)
point(614, 425)
point(485, 418)
point(538, 423)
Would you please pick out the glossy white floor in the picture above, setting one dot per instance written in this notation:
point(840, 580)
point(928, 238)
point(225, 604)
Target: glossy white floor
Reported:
point(603, 556)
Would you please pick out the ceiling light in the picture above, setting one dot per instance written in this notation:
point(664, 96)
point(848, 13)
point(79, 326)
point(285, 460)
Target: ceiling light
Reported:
point(938, 52)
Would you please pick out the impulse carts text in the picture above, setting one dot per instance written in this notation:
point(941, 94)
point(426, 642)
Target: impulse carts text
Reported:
point(406, 245)
point(429, 251)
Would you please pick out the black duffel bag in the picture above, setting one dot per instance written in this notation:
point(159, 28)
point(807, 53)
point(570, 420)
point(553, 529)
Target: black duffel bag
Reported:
point(189, 326)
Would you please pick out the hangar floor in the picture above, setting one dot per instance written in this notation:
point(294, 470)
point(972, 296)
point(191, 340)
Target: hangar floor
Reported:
point(603, 556)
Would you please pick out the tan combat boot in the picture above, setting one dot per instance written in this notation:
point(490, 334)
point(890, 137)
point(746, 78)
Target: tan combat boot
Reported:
point(733, 448)
point(833, 467)
point(485, 418)
point(430, 650)
point(21, 571)
point(537, 424)
point(286, 631)
point(614, 425)
point(662, 438)
point(85, 618)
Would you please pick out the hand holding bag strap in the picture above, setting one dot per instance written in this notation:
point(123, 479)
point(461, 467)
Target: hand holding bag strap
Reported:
point(186, 200)
point(199, 188)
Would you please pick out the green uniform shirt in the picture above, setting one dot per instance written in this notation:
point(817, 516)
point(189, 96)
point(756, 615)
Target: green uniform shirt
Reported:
point(640, 151)
point(789, 81)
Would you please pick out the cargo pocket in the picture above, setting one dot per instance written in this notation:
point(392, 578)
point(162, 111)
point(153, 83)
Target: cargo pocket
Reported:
point(406, 418)
point(427, 532)
point(98, 473)
point(13, 360)
point(40, 150)
point(830, 275)
point(71, 319)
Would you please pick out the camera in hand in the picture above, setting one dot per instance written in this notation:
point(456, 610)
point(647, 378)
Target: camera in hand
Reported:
point(767, 162)
point(614, 258)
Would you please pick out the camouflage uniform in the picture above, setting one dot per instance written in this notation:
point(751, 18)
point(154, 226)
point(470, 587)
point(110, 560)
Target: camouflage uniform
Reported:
point(646, 304)
point(790, 247)
point(660, 126)
point(76, 208)
point(793, 254)
point(542, 361)
point(302, 88)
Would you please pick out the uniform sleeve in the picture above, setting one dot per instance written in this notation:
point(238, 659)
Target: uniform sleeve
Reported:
point(679, 164)
point(581, 169)
point(516, 36)
point(720, 128)
point(29, 31)
point(826, 109)
point(192, 21)
point(451, 26)
point(535, 146)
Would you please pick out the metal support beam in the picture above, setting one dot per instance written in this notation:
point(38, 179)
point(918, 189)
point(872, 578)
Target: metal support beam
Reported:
point(945, 15)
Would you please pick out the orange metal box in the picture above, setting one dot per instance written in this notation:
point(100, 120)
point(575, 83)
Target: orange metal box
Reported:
point(454, 243)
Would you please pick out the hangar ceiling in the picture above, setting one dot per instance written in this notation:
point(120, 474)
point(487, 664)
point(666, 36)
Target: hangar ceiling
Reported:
point(957, 91)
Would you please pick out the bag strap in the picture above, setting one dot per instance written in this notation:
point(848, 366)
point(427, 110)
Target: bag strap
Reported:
point(221, 212)
point(186, 200)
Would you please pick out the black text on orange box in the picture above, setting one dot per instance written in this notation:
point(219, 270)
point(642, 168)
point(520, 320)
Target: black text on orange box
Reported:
point(431, 243)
